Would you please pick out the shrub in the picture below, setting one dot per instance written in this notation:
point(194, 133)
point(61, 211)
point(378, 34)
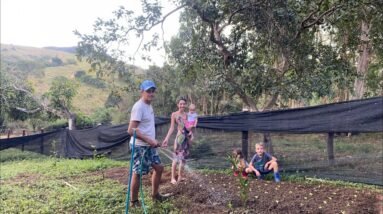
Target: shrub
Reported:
point(113, 99)
point(79, 74)
point(82, 77)
point(57, 124)
point(56, 61)
point(71, 62)
point(83, 121)
point(102, 115)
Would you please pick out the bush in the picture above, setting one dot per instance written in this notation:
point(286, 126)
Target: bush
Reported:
point(79, 74)
point(94, 81)
point(83, 121)
point(56, 61)
point(82, 77)
point(114, 98)
point(102, 115)
point(71, 62)
point(57, 124)
point(13, 154)
point(200, 149)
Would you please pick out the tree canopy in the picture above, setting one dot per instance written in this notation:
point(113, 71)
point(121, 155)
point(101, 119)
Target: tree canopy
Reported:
point(260, 52)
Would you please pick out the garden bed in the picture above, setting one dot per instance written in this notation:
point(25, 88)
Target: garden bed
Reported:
point(206, 192)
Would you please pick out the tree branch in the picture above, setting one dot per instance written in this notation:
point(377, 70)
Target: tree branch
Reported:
point(164, 18)
point(230, 19)
point(27, 110)
point(215, 36)
point(146, 28)
point(271, 102)
point(43, 105)
point(317, 20)
point(306, 24)
point(312, 13)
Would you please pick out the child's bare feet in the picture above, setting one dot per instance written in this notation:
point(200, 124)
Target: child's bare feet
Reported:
point(173, 181)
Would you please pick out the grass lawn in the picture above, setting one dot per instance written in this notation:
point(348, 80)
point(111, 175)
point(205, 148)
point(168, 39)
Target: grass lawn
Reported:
point(32, 183)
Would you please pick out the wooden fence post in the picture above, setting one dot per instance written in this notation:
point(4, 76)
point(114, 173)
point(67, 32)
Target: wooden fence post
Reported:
point(22, 145)
point(42, 142)
point(245, 143)
point(330, 148)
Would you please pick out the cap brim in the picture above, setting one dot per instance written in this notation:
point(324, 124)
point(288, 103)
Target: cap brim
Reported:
point(147, 88)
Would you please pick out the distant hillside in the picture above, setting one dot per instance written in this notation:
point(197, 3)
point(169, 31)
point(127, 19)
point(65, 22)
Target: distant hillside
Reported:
point(14, 53)
point(63, 49)
point(40, 66)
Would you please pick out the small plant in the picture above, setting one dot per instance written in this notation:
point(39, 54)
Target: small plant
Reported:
point(100, 161)
point(233, 161)
point(243, 182)
point(54, 148)
point(94, 151)
point(244, 189)
point(54, 153)
point(230, 205)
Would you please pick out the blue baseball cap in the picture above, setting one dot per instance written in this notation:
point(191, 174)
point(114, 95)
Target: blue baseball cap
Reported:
point(146, 84)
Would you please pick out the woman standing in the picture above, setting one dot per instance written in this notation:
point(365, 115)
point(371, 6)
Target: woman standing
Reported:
point(182, 141)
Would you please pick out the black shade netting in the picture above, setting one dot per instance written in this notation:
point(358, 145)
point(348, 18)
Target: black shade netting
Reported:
point(352, 116)
point(358, 157)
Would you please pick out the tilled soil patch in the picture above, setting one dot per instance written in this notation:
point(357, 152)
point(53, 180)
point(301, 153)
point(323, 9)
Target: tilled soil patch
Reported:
point(219, 193)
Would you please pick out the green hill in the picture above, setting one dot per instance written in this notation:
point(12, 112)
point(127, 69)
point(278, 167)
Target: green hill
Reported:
point(64, 49)
point(39, 66)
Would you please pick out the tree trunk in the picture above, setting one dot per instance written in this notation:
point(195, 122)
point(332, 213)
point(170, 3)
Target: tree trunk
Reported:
point(363, 60)
point(190, 98)
point(204, 105)
point(72, 122)
point(245, 144)
point(250, 103)
point(282, 65)
point(268, 143)
point(212, 104)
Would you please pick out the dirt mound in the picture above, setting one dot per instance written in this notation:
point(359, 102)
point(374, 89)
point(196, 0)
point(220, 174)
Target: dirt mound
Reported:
point(219, 193)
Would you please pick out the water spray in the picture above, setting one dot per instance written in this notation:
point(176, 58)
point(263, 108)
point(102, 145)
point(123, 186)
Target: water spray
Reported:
point(169, 154)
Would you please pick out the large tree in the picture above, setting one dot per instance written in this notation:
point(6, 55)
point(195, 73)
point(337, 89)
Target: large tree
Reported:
point(358, 33)
point(60, 96)
point(261, 51)
point(19, 102)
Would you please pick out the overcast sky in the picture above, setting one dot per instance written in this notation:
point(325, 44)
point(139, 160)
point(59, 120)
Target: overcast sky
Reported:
point(41, 23)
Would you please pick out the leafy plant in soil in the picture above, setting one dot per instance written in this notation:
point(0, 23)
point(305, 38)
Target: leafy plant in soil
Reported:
point(100, 161)
point(242, 181)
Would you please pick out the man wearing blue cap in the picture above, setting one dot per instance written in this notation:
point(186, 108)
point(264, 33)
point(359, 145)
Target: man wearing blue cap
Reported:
point(142, 120)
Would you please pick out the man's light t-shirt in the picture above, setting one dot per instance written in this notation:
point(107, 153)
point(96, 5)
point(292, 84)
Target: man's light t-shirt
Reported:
point(143, 113)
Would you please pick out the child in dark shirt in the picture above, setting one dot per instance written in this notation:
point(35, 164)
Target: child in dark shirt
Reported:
point(263, 163)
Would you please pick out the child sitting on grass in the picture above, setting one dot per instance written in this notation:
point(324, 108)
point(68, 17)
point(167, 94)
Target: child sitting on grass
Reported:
point(241, 163)
point(263, 163)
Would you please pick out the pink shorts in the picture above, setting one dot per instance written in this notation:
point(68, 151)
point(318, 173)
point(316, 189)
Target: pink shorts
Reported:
point(190, 124)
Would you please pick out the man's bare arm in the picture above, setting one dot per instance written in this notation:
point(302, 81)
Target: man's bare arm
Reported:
point(133, 126)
